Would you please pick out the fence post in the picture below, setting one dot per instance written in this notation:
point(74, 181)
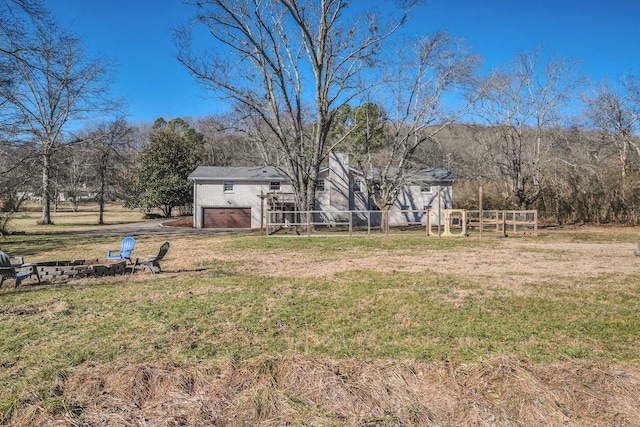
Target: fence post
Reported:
point(308, 223)
point(350, 223)
point(266, 229)
point(504, 223)
point(427, 220)
point(480, 213)
point(388, 225)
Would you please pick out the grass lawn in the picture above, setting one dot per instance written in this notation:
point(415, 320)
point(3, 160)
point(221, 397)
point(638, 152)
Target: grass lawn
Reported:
point(252, 330)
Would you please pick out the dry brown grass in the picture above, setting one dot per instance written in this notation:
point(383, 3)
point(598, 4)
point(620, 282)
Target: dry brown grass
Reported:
point(312, 391)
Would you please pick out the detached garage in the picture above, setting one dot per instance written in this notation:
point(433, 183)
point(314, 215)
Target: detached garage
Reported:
point(229, 197)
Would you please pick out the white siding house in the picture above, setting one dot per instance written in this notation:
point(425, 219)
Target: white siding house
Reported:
point(234, 197)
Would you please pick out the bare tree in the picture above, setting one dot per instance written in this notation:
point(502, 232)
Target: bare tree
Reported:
point(616, 113)
point(17, 18)
point(107, 144)
point(54, 84)
point(289, 64)
point(432, 87)
point(522, 103)
point(225, 144)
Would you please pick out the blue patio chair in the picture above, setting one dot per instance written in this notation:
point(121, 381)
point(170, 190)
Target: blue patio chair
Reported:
point(126, 247)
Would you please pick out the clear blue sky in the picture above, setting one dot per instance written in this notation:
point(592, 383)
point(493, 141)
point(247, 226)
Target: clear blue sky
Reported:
point(604, 34)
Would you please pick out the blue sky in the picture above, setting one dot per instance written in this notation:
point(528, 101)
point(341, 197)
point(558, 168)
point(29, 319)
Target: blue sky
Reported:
point(136, 34)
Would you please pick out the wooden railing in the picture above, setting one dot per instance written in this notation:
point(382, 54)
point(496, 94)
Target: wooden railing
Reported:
point(504, 222)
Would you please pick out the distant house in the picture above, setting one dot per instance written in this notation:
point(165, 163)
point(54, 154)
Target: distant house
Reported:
point(238, 197)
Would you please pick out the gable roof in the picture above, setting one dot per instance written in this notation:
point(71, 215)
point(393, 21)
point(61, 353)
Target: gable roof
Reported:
point(236, 173)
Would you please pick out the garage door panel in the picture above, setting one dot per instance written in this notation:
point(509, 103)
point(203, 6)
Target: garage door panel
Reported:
point(227, 218)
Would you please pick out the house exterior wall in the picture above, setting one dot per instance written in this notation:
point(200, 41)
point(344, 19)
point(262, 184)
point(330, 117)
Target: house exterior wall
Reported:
point(211, 194)
point(323, 201)
point(414, 198)
point(339, 182)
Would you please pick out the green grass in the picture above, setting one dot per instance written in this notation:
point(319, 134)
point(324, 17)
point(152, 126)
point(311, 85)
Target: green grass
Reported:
point(215, 310)
point(65, 219)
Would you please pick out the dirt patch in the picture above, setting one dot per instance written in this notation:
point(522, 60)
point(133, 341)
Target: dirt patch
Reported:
point(312, 391)
point(509, 262)
point(20, 310)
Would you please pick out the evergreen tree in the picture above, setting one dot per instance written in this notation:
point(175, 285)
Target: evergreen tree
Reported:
point(160, 178)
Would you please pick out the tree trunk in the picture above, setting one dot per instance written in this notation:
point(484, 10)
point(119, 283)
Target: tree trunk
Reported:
point(46, 184)
point(101, 195)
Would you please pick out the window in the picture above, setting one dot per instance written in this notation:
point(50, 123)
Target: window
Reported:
point(228, 186)
point(357, 186)
point(425, 188)
point(320, 185)
point(274, 186)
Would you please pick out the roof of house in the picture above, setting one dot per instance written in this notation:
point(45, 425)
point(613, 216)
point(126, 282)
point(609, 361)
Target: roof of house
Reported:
point(269, 173)
point(431, 174)
point(236, 173)
point(423, 174)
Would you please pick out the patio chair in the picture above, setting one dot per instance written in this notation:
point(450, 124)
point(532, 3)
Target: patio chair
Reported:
point(15, 272)
point(152, 261)
point(126, 247)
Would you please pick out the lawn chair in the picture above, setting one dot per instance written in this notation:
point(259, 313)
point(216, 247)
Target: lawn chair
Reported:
point(126, 247)
point(152, 261)
point(15, 271)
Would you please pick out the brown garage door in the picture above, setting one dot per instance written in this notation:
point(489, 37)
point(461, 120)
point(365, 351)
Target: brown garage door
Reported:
point(227, 217)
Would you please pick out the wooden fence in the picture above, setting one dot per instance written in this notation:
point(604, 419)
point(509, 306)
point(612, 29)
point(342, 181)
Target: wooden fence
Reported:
point(444, 222)
point(504, 222)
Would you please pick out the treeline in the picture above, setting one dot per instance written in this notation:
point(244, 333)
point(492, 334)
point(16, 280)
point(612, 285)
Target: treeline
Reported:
point(580, 175)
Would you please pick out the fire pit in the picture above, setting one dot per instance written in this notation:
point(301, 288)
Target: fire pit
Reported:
point(54, 270)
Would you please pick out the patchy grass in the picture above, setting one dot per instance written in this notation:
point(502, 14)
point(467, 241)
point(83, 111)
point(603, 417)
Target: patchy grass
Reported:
point(329, 331)
point(65, 219)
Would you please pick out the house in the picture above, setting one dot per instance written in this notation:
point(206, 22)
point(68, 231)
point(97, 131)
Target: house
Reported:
point(239, 197)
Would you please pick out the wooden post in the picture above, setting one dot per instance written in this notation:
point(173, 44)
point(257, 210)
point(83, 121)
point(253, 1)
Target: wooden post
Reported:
point(387, 215)
point(266, 228)
point(350, 223)
point(480, 214)
point(261, 210)
point(439, 212)
point(504, 223)
point(309, 223)
point(427, 220)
